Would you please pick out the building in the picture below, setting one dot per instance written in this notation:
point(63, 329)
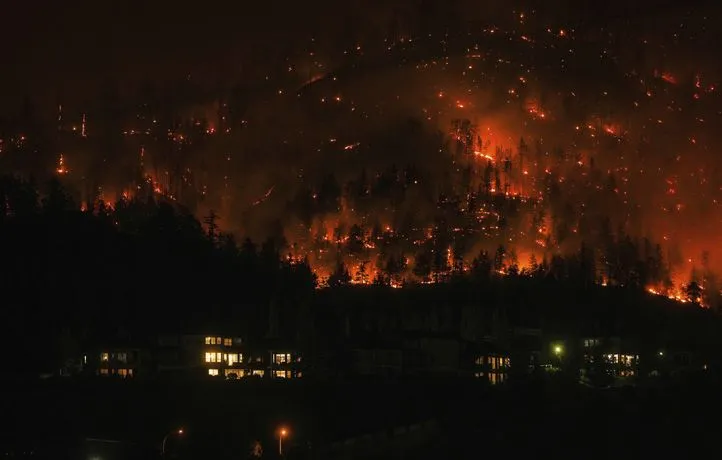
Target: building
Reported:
point(123, 362)
point(606, 359)
point(285, 364)
point(489, 363)
point(224, 356)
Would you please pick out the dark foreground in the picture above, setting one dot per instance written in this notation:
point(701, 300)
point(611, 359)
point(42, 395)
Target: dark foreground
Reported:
point(106, 420)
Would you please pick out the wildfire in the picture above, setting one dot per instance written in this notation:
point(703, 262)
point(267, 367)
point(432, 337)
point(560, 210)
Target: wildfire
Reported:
point(62, 169)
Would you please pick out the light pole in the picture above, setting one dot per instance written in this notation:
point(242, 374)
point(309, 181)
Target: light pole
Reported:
point(179, 432)
point(558, 352)
point(281, 434)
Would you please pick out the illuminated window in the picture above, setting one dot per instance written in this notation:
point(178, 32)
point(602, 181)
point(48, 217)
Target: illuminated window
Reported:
point(234, 358)
point(219, 341)
point(239, 373)
point(130, 372)
point(104, 357)
point(122, 357)
point(104, 372)
point(123, 372)
point(258, 373)
point(210, 340)
point(213, 372)
point(479, 360)
point(281, 358)
point(299, 375)
point(213, 357)
point(228, 342)
point(281, 374)
point(85, 359)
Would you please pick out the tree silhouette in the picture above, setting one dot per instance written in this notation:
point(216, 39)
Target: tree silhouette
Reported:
point(340, 275)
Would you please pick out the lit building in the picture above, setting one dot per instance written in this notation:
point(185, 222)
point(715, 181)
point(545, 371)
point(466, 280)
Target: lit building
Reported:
point(609, 357)
point(223, 356)
point(285, 364)
point(119, 362)
point(493, 367)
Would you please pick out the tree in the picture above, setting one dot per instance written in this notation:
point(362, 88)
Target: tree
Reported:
point(499, 265)
point(211, 225)
point(422, 265)
point(481, 266)
point(362, 276)
point(693, 292)
point(340, 275)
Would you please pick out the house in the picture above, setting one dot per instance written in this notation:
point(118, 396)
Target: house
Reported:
point(223, 356)
point(489, 363)
point(608, 357)
point(431, 355)
point(123, 362)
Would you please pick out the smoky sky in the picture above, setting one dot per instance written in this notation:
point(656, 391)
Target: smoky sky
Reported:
point(66, 50)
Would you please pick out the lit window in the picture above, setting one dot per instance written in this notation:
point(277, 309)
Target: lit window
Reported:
point(213, 372)
point(219, 341)
point(122, 357)
point(281, 358)
point(213, 357)
point(85, 359)
point(281, 374)
point(210, 340)
point(258, 373)
point(104, 372)
point(123, 372)
point(228, 342)
point(130, 372)
point(104, 357)
point(232, 358)
point(239, 373)
point(479, 360)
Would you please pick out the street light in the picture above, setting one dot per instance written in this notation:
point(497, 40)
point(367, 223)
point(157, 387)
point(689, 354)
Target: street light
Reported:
point(178, 432)
point(558, 350)
point(281, 434)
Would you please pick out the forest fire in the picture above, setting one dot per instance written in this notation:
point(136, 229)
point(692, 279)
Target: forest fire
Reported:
point(439, 166)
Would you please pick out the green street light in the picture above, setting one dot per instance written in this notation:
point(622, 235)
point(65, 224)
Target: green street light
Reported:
point(558, 350)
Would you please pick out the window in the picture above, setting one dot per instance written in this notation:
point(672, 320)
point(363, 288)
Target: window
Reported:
point(219, 341)
point(212, 357)
point(234, 358)
point(228, 342)
point(104, 372)
point(239, 373)
point(85, 359)
point(122, 357)
point(210, 340)
point(104, 357)
point(258, 373)
point(479, 361)
point(213, 372)
point(281, 358)
point(281, 374)
point(130, 372)
point(123, 372)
